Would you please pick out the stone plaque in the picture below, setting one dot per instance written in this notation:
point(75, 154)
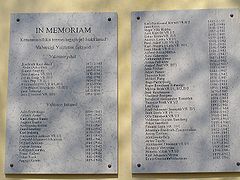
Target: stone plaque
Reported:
point(62, 94)
point(185, 91)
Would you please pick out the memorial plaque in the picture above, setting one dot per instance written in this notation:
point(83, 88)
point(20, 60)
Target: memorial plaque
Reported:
point(62, 94)
point(185, 91)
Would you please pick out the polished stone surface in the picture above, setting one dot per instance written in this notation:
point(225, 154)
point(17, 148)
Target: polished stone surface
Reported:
point(62, 94)
point(185, 91)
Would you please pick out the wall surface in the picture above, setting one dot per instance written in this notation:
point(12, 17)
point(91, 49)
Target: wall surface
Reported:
point(124, 9)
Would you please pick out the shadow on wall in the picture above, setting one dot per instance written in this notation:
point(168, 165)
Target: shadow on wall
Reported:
point(236, 2)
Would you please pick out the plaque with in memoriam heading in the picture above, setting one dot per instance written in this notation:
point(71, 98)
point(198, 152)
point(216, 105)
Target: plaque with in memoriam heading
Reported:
point(62, 94)
point(185, 91)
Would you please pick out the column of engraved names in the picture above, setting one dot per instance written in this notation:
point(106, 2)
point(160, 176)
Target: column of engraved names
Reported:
point(93, 135)
point(220, 123)
point(32, 138)
point(38, 80)
point(163, 112)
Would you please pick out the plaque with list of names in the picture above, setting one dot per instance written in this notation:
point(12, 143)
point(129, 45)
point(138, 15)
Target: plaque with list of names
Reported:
point(185, 91)
point(62, 94)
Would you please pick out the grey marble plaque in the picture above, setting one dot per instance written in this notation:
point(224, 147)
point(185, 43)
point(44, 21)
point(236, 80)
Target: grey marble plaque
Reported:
point(185, 91)
point(62, 94)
